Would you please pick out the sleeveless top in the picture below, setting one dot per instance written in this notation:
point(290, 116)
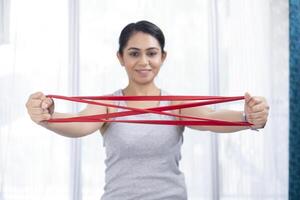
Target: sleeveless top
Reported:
point(142, 160)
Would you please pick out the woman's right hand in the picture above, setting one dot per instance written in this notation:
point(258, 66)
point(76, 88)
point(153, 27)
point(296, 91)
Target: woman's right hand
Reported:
point(39, 107)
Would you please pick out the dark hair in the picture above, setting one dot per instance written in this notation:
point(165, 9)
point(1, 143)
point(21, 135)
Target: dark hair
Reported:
point(141, 26)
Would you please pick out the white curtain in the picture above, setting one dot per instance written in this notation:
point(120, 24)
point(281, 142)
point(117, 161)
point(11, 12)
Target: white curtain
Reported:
point(34, 163)
point(253, 56)
point(214, 48)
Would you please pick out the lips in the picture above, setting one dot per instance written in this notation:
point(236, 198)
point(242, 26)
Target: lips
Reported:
point(143, 72)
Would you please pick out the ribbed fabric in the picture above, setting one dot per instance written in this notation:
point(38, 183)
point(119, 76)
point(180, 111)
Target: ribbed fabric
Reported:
point(142, 160)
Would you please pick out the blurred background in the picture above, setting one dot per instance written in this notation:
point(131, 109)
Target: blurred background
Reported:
point(215, 47)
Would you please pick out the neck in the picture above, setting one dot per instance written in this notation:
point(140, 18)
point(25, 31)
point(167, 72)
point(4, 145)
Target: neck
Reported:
point(141, 90)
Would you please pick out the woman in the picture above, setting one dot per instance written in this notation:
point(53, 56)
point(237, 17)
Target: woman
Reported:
point(142, 160)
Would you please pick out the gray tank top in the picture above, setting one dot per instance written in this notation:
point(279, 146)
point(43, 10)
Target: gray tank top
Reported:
point(142, 160)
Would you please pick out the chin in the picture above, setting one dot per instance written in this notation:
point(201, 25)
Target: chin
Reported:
point(144, 82)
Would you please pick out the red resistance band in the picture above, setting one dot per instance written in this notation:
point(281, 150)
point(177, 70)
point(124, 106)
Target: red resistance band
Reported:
point(189, 120)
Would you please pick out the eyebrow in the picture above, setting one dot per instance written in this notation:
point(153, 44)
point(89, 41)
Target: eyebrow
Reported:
point(134, 48)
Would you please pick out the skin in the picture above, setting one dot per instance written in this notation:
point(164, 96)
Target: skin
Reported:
point(142, 59)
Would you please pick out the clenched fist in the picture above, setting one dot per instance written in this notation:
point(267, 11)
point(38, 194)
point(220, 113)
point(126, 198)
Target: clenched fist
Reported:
point(256, 110)
point(39, 107)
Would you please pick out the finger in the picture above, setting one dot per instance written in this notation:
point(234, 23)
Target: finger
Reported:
point(43, 97)
point(37, 111)
point(258, 108)
point(46, 111)
point(37, 95)
point(259, 122)
point(258, 115)
point(247, 97)
point(34, 103)
point(258, 100)
point(46, 103)
point(46, 117)
point(39, 118)
point(254, 101)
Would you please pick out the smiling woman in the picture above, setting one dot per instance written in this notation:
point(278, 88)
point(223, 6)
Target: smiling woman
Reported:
point(215, 47)
point(153, 150)
point(142, 53)
point(142, 58)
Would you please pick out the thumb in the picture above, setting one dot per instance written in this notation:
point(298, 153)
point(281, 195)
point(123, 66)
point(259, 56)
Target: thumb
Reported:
point(46, 103)
point(247, 97)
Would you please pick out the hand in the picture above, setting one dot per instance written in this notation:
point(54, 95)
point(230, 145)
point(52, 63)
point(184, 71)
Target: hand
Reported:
point(39, 107)
point(256, 110)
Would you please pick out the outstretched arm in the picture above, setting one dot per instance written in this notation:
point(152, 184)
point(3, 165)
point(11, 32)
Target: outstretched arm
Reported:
point(41, 108)
point(256, 111)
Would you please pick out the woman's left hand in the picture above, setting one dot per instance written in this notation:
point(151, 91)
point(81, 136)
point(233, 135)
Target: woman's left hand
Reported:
point(256, 110)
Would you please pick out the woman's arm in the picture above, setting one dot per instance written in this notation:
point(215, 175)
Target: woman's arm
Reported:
point(41, 108)
point(256, 111)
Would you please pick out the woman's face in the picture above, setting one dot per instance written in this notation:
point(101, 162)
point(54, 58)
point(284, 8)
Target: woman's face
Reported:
point(142, 58)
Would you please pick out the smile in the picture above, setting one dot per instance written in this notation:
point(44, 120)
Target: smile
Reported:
point(143, 72)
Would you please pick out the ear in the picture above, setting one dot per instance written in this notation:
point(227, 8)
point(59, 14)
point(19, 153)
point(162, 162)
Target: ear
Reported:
point(120, 57)
point(163, 57)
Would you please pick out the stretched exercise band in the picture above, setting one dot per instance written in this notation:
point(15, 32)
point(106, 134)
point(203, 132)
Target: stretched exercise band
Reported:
point(196, 121)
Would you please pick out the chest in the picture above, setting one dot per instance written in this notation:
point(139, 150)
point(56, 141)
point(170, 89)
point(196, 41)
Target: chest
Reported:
point(143, 105)
point(135, 140)
point(142, 139)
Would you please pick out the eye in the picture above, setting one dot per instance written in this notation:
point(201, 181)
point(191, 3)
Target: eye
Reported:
point(151, 54)
point(134, 53)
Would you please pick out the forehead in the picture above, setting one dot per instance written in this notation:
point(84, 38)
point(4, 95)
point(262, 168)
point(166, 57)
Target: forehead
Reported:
point(142, 40)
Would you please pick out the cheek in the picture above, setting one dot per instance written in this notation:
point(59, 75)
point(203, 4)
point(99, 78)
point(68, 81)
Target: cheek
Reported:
point(156, 63)
point(129, 63)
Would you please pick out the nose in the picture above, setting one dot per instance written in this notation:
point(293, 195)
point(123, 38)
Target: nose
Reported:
point(144, 61)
